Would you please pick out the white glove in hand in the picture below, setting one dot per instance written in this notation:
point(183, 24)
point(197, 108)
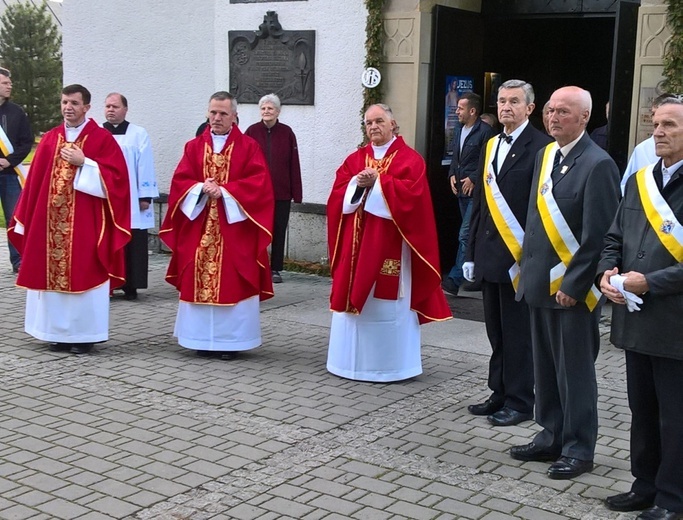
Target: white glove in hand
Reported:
point(632, 300)
point(468, 271)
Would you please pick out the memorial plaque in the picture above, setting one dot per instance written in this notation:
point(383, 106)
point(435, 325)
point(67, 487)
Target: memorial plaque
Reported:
point(272, 60)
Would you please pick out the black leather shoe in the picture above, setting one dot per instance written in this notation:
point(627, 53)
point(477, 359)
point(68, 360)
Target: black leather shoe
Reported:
point(449, 286)
point(628, 502)
point(130, 294)
point(228, 356)
point(486, 408)
point(81, 348)
point(532, 452)
point(566, 468)
point(205, 353)
point(508, 417)
point(658, 513)
point(59, 347)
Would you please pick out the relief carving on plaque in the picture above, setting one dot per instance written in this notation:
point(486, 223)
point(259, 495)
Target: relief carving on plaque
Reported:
point(272, 59)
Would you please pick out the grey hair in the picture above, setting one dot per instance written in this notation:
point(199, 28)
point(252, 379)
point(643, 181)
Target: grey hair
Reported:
point(5, 72)
point(222, 95)
point(529, 95)
point(384, 107)
point(672, 99)
point(270, 98)
point(388, 111)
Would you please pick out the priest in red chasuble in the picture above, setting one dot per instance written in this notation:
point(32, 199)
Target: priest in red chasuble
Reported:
point(71, 225)
point(384, 258)
point(218, 226)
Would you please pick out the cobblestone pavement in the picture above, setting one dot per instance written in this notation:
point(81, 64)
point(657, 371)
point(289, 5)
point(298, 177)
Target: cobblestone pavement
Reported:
point(143, 429)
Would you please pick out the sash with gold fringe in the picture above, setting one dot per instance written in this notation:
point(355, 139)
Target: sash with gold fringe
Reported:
point(560, 234)
point(7, 148)
point(504, 219)
point(659, 214)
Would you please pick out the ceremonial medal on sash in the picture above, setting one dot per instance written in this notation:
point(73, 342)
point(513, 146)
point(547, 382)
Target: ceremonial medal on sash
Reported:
point(667, 226)
point(659, 214)
point(557, 229)
point(504, 219)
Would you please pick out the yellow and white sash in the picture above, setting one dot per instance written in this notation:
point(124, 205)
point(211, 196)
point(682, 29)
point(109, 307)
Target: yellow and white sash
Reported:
point(504, 219)
point(659, 213)
point(7, 148)
point(557, 229)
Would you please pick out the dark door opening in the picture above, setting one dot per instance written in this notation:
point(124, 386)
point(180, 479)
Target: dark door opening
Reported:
point(548, 51)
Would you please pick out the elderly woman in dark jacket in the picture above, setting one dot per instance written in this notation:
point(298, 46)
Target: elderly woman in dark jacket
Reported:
point(278, 143)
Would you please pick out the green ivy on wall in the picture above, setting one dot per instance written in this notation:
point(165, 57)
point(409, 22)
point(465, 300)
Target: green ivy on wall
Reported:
point(374, 49)
point(673, 58)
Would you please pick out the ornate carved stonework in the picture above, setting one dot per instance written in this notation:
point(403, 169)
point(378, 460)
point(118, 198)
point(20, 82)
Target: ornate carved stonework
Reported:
point(400, 35)
point(272, 60)
point(655, 35)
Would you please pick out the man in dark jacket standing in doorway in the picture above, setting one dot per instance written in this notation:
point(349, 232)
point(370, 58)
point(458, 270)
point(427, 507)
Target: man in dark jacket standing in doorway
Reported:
point(468, 141)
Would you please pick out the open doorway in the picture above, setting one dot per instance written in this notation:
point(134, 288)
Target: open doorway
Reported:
point(548, 51)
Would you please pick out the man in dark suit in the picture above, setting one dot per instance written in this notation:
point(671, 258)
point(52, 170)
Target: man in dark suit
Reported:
point(574, 197)
point(642, 272)
point(493, 250)
point(468, 140)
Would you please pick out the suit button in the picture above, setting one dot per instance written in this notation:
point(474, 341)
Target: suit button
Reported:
point(487, 232)
point(641, 254)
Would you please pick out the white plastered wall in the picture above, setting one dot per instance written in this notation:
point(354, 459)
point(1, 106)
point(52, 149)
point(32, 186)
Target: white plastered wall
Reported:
point(169, 56)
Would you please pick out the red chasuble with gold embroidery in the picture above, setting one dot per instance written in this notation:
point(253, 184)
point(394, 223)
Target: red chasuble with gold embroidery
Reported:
point(73, 241)
point(365, 250)
point(215, 262)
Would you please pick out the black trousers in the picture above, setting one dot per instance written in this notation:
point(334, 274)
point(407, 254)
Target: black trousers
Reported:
point(277, 249)
point(655, 396)
point(137, 260)
point(511, 367)
point(566, 343)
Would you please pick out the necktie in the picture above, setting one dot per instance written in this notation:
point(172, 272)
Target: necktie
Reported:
point(558, 158)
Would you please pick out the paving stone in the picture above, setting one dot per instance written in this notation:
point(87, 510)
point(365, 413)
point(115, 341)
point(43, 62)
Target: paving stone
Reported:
point(142, 429)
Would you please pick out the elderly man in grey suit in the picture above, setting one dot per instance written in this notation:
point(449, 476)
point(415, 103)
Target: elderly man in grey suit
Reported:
point(574, 197)
point(642, 273)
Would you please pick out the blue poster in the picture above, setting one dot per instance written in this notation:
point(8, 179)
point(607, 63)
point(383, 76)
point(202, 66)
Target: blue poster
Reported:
point(456, 86)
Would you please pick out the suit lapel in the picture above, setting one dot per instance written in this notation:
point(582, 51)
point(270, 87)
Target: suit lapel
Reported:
point(516, 152)
point(456, 144)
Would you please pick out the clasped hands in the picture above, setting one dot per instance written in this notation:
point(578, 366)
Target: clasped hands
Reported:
point(624, 289)
point(212, 189)
point(367, 177)
point(72, 154)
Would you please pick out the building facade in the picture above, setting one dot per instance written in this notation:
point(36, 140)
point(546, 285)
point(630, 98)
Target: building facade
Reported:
point(168, 56)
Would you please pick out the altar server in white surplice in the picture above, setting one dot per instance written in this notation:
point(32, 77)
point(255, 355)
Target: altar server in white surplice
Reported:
point(135, 144)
